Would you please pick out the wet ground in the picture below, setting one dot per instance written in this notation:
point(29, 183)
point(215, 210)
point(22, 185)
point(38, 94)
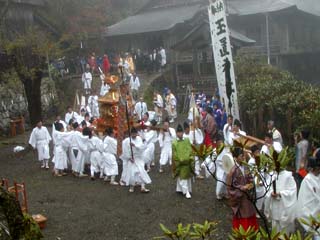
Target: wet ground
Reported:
point(84, 209)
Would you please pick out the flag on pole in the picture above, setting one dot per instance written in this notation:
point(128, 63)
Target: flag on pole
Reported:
point(223, 57)
point(77, 99)
point(193, 111)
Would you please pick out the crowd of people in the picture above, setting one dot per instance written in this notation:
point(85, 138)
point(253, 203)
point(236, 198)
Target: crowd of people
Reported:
point(80, 150)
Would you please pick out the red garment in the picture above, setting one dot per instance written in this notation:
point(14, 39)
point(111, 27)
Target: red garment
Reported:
point(106, 65)
point(302, 172)
point(245, 222)
point(208, 141)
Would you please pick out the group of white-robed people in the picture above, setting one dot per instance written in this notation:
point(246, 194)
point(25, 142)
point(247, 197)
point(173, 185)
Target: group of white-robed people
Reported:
point(281, 205)
point(74, 148)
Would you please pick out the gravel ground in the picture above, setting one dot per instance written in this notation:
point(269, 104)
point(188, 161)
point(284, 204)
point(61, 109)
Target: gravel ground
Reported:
point(84, 209)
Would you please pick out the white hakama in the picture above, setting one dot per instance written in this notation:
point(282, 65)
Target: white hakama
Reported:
point(78, 148)
point(150, 139)
point(195, 137)
point(94, 106)
point(281, 210)
point(95, 147)
point(87, 80)
point(109, 160)
point(136, 173)
point(61, 144)
point(184, 185)
point(40, 139)
point(260, 183)
point(309, 199)
point(125, 157)
point(165, 141)
point(221, 175)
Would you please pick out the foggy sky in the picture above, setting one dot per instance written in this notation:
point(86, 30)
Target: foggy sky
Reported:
point(311, 6)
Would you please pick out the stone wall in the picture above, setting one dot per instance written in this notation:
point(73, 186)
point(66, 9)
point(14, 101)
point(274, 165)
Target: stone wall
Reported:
point(13, 102)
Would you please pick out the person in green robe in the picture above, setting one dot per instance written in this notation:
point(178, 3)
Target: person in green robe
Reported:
point(183, 163)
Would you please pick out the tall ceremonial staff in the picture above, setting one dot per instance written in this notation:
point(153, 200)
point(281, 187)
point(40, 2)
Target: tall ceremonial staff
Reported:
point(193, 107)
point(129, 129)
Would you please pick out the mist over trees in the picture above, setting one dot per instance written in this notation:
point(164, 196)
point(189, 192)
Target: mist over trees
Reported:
point(57, 30)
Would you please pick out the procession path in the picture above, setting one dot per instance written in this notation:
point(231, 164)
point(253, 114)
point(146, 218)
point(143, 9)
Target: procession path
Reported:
point(84, 209)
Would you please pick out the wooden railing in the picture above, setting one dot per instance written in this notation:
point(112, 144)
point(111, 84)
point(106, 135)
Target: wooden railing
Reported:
point(182, 57)
point(206, 83)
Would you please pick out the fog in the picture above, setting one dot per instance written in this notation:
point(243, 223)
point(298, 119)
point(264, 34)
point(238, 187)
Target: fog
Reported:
point(311, 6)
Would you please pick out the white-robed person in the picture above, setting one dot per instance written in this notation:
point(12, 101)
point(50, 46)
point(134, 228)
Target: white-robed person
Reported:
point(93, 104)
point(61, 144)
point(109, 161)
point(236, 131)
point(183, 160)
point(166, 136)
point(158, 106)
point(58, 120)
point(309, 195)
point(104, 89)
point(270, 143)
point(269, 146)
point(135, 172)
point(87, 80)
point(171, 106)
point(163, 57)
point(95, 149)
point(78, 148)
point(281, 201)
point(40, 139)
point(259, 179)
point(104, 85)
point(228, 137)
point(195, 137)
point(140, 108)
point(150, 137)
point(134, 85)
point(70, 115)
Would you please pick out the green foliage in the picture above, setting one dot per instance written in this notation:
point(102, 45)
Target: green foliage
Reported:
point(31, 228)
point(313, 223)
point(11, 212)
point(267, 92)
point(20, 226)
point(190, 231)
point(10, 79)
point(241, 233)
point(202, 151)
point(261, 234)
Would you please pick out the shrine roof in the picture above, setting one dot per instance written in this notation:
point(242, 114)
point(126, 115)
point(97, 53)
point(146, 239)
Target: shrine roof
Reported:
point(248, 7)
point(186, 41)
point(162, 19)
point(28, 2)
point(153, 21)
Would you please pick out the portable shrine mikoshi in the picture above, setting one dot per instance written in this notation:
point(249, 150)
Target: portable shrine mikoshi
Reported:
point(112, 108)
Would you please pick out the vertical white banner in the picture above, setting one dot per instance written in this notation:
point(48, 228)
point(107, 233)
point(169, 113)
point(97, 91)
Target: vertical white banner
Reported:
point(223, 57)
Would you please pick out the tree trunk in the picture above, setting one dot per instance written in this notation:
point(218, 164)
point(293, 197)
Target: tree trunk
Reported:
point(254, 124)
point(32, 87)
point(261, 124)
point(289, 126)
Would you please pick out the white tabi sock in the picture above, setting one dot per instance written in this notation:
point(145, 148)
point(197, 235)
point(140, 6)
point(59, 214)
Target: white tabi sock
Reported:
point(92, 171)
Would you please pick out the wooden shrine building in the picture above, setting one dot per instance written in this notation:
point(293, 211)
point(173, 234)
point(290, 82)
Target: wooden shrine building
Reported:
point(284, 33)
